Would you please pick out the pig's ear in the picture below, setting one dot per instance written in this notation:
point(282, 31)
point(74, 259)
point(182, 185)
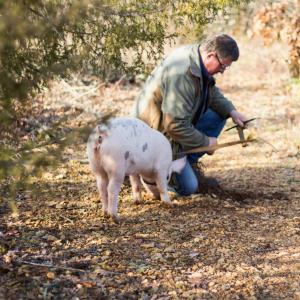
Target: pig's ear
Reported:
point(178, 164)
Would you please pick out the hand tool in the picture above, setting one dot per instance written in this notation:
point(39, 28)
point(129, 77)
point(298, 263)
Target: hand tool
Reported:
point(242, 140)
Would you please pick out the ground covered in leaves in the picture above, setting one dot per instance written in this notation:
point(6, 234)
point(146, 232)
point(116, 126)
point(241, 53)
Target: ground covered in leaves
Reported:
point(241, 241)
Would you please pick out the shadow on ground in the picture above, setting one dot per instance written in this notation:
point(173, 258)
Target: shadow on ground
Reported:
point(241, 239)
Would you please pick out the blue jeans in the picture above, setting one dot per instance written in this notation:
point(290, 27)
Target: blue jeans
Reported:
point(211, 124)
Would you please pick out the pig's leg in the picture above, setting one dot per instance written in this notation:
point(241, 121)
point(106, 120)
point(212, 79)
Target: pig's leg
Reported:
point(162, 185)
point(136, 188)
point(102, 183)
point(113, 189)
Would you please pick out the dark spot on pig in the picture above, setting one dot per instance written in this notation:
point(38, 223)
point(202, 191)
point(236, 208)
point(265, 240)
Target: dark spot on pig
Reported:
point(134, 131)
point(126, 155)
point(145, 147)
point(100, 139)
point(132, 162)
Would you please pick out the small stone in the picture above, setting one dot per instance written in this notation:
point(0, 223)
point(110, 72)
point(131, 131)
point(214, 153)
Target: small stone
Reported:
point(50, 238)
point(40, 233)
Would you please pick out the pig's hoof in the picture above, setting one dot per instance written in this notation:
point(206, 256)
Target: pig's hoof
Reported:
point(151, 196)
point(167, 204)
point(137, 202)
point(172, 194)
point(105, 215)
point(115, 219)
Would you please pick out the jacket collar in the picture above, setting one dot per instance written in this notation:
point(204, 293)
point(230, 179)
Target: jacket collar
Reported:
point(195, 65)
point(195, 61)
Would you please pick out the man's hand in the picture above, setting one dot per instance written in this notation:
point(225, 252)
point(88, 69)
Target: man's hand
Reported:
point(212, 142)
point(238, 118)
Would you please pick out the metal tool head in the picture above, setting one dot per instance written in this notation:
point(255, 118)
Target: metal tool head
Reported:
point(242, 136)
point(240, 130)
point(236, 126)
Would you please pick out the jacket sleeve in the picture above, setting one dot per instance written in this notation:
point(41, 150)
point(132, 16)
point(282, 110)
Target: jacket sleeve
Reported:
point(219, 103)
point(178, 106)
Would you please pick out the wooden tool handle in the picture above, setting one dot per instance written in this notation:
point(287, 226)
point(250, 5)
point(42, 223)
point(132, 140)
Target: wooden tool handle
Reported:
point(215, 147)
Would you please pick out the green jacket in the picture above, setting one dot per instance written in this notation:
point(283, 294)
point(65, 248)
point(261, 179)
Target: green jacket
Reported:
point(172, 95)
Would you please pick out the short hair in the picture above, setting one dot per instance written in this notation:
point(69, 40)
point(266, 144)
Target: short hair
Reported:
point(223, 44)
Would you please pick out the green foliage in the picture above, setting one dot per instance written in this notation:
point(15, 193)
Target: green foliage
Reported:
point(42, 40)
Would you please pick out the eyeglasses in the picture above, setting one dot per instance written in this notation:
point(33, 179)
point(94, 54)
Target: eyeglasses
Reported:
point(223, 66)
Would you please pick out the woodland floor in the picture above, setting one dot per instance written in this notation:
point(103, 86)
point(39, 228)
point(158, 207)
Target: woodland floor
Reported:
point(241, 241)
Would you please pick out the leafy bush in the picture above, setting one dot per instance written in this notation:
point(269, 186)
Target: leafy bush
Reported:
point(280, 20)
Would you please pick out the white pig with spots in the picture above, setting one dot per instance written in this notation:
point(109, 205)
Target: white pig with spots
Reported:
point(128, 146)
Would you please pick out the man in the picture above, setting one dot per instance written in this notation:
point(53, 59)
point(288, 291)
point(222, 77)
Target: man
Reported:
point(181, 100)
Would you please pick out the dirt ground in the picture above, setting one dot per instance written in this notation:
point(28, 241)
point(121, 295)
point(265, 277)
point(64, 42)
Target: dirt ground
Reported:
point(241, 241)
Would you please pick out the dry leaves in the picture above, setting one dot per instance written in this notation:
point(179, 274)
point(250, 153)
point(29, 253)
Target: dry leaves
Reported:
point(238, 242)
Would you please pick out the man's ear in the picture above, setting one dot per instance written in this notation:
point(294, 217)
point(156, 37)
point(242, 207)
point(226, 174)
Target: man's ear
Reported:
point(178, 164)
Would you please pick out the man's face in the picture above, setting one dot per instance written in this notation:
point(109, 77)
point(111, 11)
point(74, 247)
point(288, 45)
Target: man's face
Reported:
point(216, 65)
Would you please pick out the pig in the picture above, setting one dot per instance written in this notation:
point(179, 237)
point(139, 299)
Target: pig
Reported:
point(128, 146)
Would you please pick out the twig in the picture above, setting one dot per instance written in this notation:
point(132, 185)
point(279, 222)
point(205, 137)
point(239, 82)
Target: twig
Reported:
point(264, 141)
point(49, 266)
point(90, 91)
point(67, 219)
point(118, 83)
point(69, 88)
point(215, 147)
point(38, 146)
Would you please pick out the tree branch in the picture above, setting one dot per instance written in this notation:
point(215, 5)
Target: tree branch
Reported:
point(49, 266)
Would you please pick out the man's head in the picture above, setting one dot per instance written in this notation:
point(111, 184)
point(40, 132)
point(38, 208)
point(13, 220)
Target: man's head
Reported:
point(218, 53)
